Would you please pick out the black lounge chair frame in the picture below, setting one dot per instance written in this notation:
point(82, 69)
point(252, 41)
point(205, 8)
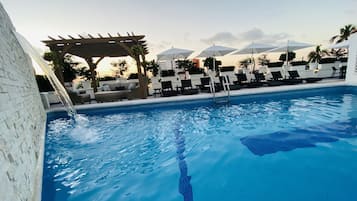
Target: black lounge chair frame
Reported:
point(205, 85)
point(187, 89)
point(167, 90)
point(295, 76)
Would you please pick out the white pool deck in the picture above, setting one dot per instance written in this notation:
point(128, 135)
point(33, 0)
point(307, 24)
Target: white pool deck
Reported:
point(201, 96)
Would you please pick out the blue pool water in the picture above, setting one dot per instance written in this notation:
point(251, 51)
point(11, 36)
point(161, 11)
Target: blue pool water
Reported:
point(298, 145)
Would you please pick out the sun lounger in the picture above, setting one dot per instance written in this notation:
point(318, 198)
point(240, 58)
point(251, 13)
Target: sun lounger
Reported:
point(167, 90)
point(110, 96)
point(242, 81)
point(294, 75)
point(258, 81)
point(78, 98)
point(187, 89)
point(205, 84)
point(277, 79)
point(231, 86)
point(294, 78)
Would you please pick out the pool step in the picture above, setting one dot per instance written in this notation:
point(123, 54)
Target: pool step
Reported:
point(221, 100)
point(226, 89)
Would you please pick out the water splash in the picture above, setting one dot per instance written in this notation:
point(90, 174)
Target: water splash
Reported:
point(56, 84)
point(82, 130)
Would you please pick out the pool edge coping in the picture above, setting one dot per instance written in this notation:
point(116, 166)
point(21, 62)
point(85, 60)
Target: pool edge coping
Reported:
point(206, 96)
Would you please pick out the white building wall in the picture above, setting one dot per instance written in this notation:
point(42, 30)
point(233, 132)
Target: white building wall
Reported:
point(351, 74)
point(22, 121)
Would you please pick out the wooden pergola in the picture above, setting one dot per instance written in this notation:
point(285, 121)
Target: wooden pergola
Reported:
point(90, 47)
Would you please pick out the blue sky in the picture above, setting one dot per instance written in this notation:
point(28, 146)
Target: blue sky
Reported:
point(185, 24)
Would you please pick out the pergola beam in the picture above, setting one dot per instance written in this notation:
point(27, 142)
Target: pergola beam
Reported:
point(90, 36)
point(111, 46)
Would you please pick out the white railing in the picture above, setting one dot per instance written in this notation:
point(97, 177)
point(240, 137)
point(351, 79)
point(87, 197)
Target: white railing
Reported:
point(226, 87)
point(212, 87)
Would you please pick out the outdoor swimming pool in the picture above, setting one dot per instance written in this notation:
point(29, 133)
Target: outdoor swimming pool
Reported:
point(299, 145)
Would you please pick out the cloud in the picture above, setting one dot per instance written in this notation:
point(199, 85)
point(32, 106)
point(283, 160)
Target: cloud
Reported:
point(160, 46)
point(255, 34)
point(252, 35)
point(275, 38)
point(221, 37)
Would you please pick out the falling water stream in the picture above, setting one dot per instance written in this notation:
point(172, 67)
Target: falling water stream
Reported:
point(56, 84)
point(82, 131)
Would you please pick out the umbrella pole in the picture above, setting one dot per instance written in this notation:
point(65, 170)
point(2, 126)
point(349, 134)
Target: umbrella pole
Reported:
point(253, 61)
point(287, 59)
point(214, 64)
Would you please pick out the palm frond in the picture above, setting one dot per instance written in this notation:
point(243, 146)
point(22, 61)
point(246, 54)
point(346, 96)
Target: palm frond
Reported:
point(333, 39)
point(340, 40)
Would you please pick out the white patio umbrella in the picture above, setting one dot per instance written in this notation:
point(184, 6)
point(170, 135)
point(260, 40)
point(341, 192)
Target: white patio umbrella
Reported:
point(255, 48)
point(343, 44)
point(174, 53)
point(216, 50)
point(289, 47)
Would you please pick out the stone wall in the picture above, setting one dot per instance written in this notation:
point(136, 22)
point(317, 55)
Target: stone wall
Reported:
point(22, 121)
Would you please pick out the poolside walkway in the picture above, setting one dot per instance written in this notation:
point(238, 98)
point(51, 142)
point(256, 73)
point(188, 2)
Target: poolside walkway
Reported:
point(241, 92)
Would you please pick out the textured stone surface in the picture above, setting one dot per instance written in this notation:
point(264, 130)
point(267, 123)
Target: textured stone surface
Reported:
point(351, 75)
point(22, 121)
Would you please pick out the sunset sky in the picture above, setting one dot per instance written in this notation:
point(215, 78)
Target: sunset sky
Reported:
point(186, 24)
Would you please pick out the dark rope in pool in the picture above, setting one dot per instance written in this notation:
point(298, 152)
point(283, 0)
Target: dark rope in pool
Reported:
point(185, 187)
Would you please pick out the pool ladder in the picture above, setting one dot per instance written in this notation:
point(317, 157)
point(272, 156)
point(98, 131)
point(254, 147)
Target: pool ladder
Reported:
point(226, 89)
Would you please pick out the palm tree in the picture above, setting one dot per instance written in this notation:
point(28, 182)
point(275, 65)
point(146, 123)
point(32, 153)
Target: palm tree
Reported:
point(208, 62)
point(84, 73)
point(338, 53)
point(263, 60)
point(119, 67)
point(64, 67)
point(316, 56)
point(345, 33)
point(291, 56)
point(245, 63)
point(153, 66)
point(185, 64)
